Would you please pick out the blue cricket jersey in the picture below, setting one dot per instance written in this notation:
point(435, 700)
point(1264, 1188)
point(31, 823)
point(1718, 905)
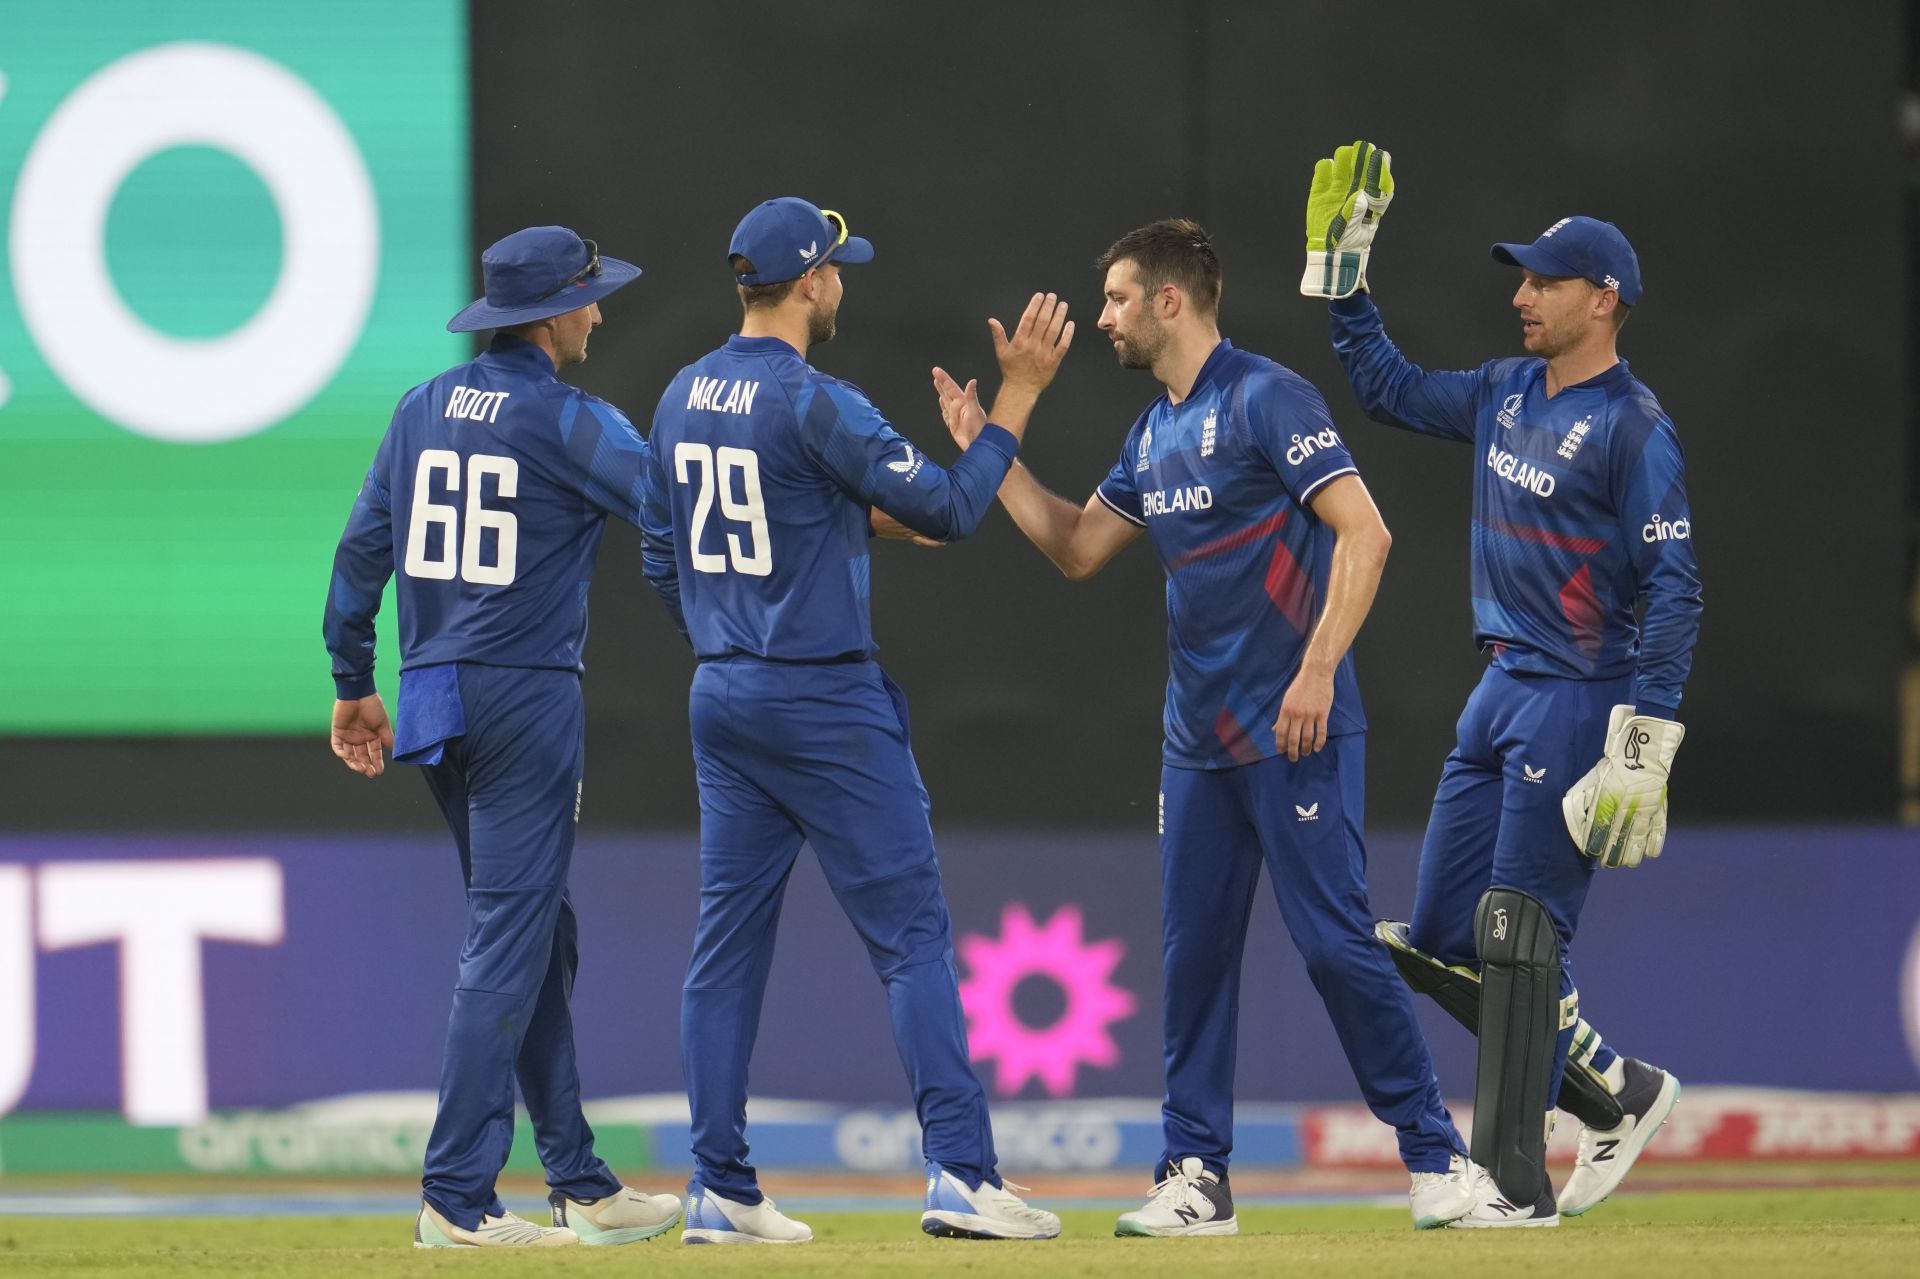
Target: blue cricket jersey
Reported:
point(1579, 509)
point(486, 502)
point(757, 500)
point(1221, 482)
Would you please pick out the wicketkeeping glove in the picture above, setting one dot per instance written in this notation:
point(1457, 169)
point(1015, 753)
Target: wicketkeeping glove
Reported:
point(1349, 196)
point(1617, 813)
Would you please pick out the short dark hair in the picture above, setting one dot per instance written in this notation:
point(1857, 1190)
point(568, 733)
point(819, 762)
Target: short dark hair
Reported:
point(755, 296)
point(1174, 251)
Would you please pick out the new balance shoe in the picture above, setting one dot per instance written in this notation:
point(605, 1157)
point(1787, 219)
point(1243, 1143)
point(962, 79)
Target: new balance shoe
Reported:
point(431, 1230)
point(1646, 1100)
point(712, 1218)
point(1492, 1210)
point(989, 1212)
point(626, 1216)
point(1440, 1197)
point(1190, 1200)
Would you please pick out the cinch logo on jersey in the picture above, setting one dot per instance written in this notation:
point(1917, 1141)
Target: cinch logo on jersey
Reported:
point(1305, 447)
point(1575, 435)
point(1207, 425)
point(1534, 479)
point(1146, 444)
point(1659, 530)
point(721, 395)
point(1191, 497)
point(1509, 414)
point(475, 406)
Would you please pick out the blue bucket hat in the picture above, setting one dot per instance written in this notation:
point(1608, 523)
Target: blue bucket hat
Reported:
point(1584, 247)
point(540, 272)
point(788, 237)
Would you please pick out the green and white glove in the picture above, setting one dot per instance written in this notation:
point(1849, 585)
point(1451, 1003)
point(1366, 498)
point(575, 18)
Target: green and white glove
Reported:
point(1617, 813)
point(1349, 196)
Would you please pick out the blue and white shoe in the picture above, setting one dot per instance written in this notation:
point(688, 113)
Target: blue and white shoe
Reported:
point(990, 1212)
point(713, 1218)
point(1189, 1200)
point(626, 1216)
point(1646, 1101)
point(1492, 1210)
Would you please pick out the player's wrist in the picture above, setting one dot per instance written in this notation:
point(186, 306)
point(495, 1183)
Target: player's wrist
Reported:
point(351, 688)
point(1016, 396)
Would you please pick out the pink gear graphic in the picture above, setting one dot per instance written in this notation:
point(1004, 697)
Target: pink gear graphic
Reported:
point(1057, 951)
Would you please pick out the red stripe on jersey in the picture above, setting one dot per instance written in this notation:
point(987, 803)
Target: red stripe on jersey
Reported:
point(1290, 589)
point(1252, 533)
point(1234, 737)
point(1547, 537)
point(1581, 605)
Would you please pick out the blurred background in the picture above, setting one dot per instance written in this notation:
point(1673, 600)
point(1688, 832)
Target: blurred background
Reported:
point(234, 232)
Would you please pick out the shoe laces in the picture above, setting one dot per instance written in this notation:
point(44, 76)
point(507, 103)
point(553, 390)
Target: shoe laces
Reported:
point(1006, 1197)
point(1176, 1187)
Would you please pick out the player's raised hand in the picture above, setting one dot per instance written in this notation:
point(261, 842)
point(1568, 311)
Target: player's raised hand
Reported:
point(959, 406)
point(360, 732)
point(1031, 356)
point(1349, 196)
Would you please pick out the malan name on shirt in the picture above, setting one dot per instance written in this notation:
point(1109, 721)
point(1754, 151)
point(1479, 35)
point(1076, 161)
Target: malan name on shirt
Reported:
point(723, 395)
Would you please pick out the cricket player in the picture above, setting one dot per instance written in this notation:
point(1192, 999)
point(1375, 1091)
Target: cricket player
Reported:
point(763, 476)
point(486, 502)
point(1580, 516)
point(1273, 550)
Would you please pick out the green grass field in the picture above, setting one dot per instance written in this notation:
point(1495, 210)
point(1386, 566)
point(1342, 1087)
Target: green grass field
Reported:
point(1858, 1232)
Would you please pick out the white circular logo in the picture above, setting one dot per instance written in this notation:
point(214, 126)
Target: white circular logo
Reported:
point(188, 390)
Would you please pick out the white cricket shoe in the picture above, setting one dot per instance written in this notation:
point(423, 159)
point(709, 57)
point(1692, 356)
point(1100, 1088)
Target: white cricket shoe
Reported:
point(713, 1218)
point(1646, 1101)
point(991, 1212)
point(1190, 1200)
point(431, 1230)
point(626, 1216)
point(1440, 1197)
point(1492, 1210)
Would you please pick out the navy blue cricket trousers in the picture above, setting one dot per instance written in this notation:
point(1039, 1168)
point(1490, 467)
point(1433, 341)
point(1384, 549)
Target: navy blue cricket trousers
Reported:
point(1303, 821)
point(785, 753)
point(509, 788)
point(1522, 741)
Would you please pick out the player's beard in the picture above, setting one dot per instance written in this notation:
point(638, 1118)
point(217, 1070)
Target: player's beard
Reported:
point(1141, 349)
point(821, 323)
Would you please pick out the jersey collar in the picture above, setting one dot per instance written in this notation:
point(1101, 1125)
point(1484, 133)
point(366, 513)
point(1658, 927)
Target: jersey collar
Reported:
point(760, 346)
point(518, 353)
point(1209, 372)
point(1616, 375)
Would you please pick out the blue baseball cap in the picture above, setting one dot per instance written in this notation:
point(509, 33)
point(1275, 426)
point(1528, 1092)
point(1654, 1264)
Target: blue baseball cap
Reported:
point(540, 272)
point(1586, 247)
point(788, 237)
